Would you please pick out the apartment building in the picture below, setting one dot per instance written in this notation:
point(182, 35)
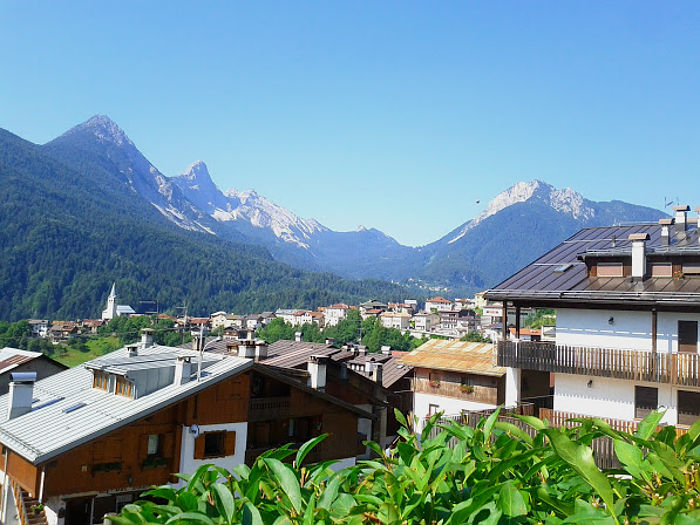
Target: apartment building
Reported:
point(628, 306)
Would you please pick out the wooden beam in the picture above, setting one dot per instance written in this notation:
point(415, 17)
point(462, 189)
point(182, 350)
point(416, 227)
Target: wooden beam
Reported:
point(517, 322)
point(504, 321)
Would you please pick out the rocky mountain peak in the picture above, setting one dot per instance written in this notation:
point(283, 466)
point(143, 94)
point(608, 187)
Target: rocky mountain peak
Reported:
point(105, 129)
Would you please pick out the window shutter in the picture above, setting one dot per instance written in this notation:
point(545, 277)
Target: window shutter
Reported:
point(168, 445)
point(143, 446)
point(230, 444)
point(199, 447)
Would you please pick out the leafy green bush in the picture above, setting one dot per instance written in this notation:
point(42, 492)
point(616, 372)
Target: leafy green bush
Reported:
point(496, 473)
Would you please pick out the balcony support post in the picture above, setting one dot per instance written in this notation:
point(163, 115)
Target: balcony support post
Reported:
point(504, 321)
point(654, 332)
point(517, 322)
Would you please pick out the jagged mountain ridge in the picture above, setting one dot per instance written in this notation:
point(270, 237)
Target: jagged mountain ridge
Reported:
point(529, 216)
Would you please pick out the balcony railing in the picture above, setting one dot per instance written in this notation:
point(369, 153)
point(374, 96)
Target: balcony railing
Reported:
point(636, 365)
point(268, 408)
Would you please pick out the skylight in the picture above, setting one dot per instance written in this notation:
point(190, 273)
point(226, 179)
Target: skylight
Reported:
point(48, 403)
point(73, 408)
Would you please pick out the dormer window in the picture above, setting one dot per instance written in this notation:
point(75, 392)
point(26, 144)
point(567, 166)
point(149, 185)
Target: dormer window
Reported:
point(664, 269)
point(124, 387)
point(100, 380)
point(610, 269)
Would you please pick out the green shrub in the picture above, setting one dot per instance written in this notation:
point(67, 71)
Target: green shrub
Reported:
point(496, 473)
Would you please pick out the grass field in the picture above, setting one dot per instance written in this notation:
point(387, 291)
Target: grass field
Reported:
point(95, 348)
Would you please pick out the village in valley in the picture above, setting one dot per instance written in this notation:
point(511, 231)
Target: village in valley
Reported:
point(622, 342)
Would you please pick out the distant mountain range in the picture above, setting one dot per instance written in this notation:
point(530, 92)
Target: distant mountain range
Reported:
point(516, 226)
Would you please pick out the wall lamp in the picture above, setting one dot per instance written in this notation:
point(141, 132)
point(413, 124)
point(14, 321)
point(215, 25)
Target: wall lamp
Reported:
point(590, 383)
point(611, 320)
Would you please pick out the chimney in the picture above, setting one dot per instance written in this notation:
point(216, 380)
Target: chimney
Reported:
point(362, 350)
point(132, 350)
point(21, 393)
point(681, 216)
point(183, 370)
point(330, 341)
point(260, 350)
point(146, 337)
point(378, 373)
point(297, 337)
point(665, 231)
point(369, 366)
point(639, 254)
point(316, 366)
point(232, 348)
point(246, 349)
point(386, 350)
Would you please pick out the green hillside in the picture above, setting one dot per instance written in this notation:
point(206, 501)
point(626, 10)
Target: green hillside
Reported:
point(67, 232)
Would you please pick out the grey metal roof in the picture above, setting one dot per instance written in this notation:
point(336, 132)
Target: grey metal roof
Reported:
point(293, 354)
point(48, 430)
point(559, 276)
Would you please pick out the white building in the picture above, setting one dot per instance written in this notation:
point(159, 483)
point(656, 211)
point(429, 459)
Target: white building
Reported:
point(396, 320)
point(336, 313)
point(438, 304)
point(425, 322)
point(628, 308)
point(40, 327)
point(113, 309)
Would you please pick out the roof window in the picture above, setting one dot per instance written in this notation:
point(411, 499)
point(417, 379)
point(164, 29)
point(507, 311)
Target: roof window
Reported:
point(73, 408)
point(562, 268)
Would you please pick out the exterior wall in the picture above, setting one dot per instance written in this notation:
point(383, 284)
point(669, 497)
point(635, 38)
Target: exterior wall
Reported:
point(43, 366)
point(448, 405)
point(189, 464)
point(612, 398)
point(630, 329)
point(485, 389)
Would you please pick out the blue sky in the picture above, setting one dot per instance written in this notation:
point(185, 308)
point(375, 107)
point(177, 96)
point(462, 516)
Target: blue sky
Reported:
point(394, 115)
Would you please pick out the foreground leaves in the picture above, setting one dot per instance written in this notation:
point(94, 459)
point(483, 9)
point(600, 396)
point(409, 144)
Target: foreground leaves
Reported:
point(515, 472)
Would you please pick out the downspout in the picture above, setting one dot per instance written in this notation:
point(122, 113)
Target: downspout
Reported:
point(41, 484)
point(4, 489)
point(504, 321)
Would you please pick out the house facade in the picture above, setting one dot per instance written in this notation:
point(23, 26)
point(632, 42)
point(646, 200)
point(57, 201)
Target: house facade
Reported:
point(336, 313)
point(438, 304)
point(89, 440)
point(628, 307)
point(454, 377)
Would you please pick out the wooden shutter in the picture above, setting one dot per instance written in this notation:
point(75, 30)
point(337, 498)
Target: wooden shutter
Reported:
point(199, 447)
point(230, 444)
point(143, 445)
point(688, 336)
point(688, 407)
point(167, 448)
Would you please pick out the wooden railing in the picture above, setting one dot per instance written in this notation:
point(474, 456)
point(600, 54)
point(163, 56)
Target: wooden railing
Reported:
point(636, 365)
point(19, 502)
point(477, 393)
point(267, 408)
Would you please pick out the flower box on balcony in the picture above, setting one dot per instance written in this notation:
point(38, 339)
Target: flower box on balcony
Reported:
point(435, 383)
point(467, 389)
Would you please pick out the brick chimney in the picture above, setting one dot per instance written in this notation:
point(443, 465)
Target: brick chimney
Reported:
point(21, 393)
point(639, 254)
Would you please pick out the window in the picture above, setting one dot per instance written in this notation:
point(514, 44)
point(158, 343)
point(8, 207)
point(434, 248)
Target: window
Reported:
point(433, 409)
point(153, 444)
point(688, 407)
point(124, 387)
point(691, 268)
point(688, 336)
point(214, 444)
point(610, 270)
point(100, 380)
point(661, 270)
point(646, 399)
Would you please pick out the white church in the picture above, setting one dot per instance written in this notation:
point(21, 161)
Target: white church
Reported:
point(113, 309)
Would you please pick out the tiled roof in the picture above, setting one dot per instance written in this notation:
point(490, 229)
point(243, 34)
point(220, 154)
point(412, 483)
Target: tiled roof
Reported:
point(456, 356)
point(13, 357)
point(293, 354)
point(438, 300)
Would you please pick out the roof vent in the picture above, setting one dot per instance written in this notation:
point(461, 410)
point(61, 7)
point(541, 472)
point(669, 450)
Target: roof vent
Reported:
point(639, 254)
point(681, 216)
point(132, 350)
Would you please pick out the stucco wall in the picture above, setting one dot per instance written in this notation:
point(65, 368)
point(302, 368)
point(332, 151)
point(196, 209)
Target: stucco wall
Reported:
point(612, 398)
point(187, 462)
point(629, 329)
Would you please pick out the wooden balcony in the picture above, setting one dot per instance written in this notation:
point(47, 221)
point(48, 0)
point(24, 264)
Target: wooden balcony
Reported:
point(268, 408)
point(634, 365)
